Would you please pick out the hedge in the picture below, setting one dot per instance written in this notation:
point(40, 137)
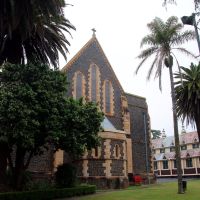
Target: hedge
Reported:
point(49, 194)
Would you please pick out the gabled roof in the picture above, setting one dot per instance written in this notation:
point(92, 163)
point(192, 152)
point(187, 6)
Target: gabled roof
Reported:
point(159, 156)
point(164, 156)
point(83, 49)
point(189, 138)
point(190, 153)
point(186, 138)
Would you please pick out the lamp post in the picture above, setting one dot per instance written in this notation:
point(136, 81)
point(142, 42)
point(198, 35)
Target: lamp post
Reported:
point(191, 20)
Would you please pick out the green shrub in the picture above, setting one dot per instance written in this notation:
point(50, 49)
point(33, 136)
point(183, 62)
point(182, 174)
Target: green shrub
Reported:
point(26, 179)
point(38, 185)
point(66, 175)
point(49, 194)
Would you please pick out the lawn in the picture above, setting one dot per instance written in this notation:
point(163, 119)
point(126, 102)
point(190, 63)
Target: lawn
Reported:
point(166, 191)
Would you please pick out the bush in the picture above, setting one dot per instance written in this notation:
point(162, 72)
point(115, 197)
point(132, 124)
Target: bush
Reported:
point(66, 175)
point(49, 194)
point(26, 179)
point(38, 185)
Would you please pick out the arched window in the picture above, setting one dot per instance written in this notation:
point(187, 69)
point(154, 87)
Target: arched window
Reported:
point(79, 85)
point(108, 97)
point(94, 83)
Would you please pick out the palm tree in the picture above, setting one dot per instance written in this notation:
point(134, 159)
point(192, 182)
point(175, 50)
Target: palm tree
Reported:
point(33, 30)
point(188, 95)
point(162, 41)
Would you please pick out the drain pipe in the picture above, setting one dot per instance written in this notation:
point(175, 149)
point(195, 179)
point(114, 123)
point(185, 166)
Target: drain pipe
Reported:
point(146, 146)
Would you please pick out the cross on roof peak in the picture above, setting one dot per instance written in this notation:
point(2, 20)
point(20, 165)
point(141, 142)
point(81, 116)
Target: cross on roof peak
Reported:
point(94, 32)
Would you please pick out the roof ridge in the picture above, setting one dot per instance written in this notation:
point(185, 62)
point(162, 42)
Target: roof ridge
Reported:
point(77, 55)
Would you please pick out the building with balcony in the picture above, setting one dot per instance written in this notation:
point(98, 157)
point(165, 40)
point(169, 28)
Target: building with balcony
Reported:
point(164, 157)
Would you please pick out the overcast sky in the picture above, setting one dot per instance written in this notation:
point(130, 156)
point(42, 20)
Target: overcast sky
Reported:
point(120, 27)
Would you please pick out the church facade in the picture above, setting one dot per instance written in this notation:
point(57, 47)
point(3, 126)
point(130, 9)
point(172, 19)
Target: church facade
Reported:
point(125, 147)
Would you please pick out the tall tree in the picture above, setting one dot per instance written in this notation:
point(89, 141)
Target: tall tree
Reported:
point(35, 114)
point(188, 95)
point(162, 41)
point(33, 30)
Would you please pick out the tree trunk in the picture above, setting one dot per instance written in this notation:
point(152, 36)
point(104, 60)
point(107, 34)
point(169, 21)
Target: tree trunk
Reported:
point(13, 50)
point(18, 169)
point(3, 163)
point(176, 134)
point(197, 121)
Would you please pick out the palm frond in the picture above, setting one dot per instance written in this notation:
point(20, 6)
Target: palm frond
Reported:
point(140, 64)
point(181, 38)
point(156, 26)
point(147, 52)
point(171, 22)
point(185, 51)
point(179, 68)
point(188, 94)
point(162, 39)
point(36, 29)
point(152, 67)
point(158, 73)
point(148, 40)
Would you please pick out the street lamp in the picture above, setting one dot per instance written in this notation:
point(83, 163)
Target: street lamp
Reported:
point(190, 20)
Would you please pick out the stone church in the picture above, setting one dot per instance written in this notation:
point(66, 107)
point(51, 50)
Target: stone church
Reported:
point(125, 145)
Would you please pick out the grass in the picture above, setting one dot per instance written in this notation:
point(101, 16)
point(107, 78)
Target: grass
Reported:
point(166, 191)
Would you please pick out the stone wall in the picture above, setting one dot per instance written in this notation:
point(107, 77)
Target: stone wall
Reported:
point(107, 170)
point(96, 168)
point(95, 55)
point(140, 128)
point(106, 183)
point(117, 168)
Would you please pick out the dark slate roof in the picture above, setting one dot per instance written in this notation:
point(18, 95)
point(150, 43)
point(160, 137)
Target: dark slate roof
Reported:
point(107, 125)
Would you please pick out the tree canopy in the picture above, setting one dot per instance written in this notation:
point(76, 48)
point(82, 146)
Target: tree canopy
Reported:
point(188, 95)
point(35, 114)
point(34, 30)
point(163, 40)
point(156, 134)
